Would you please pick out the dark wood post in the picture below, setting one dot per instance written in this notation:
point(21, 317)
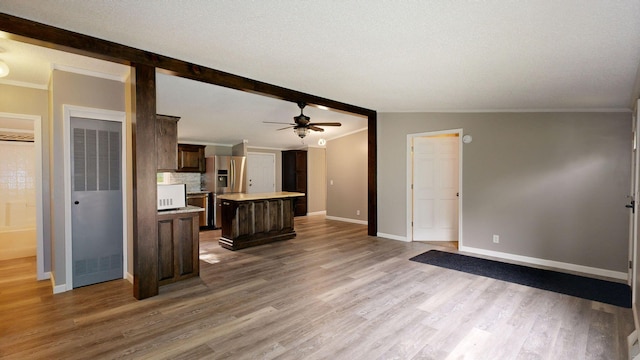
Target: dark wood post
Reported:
point(145, 228)
point(372, 178)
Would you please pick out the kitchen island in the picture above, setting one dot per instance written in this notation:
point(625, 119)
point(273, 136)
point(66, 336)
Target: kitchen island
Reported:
point(256, 219)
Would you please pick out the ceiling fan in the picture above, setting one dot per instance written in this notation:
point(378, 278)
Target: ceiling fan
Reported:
point(302, 123)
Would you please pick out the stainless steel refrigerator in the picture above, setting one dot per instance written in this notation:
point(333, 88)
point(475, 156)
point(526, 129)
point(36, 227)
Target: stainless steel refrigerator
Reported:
point(224, 175)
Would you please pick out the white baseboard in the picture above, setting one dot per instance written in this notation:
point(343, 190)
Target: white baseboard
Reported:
point(323, 212)
point(16, 252)
point(392, 237)
point(45, 276)
point(555, 264)
point(361, 222)
point(57, 289)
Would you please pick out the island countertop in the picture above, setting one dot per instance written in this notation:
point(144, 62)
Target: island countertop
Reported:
point(259, 196)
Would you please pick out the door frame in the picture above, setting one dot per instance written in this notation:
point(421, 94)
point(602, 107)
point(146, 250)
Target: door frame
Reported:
point(633, 216)
point(37, 142)
point(633, 219)
point(409, 177)
point(92, 114)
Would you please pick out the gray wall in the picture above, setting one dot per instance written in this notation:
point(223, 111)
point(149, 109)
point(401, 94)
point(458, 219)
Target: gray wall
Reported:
point(552, 185)
point(80, 90)
point(239, 149)
point(28, 101)
point(212, 150)
point(347, 167)
point(316, 180)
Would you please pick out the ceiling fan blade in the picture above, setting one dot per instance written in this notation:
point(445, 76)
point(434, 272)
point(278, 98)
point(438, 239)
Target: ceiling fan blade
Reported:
point(288, 127)
point(315, 128)
point(325, 124)
point(275, 122)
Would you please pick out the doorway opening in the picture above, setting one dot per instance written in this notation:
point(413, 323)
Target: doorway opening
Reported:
point(21, 217)
point(434, 191)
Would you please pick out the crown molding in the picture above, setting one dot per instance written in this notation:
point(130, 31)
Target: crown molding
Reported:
point(24, 84)
point(97, 74)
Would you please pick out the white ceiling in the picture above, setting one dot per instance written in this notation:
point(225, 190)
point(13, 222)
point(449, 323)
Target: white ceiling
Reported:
point(216, 115)
point(387, 56)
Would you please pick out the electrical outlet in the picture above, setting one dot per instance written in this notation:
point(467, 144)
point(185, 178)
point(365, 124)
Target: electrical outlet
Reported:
point(357, 212)
point(496, 239)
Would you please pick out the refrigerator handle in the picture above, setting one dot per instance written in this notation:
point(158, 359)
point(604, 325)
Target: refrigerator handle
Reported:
point(233, 175)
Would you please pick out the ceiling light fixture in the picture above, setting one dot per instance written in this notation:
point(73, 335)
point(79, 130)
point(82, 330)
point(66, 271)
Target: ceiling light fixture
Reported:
point(4, 69)
point(301, 131)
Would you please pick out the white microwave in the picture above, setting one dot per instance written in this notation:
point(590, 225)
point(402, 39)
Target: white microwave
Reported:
point(172, 196)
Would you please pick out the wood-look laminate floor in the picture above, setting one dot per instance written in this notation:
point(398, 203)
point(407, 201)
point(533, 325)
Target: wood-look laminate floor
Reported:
point(330, 293)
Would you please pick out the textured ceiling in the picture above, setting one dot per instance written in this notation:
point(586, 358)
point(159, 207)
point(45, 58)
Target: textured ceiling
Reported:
point(388, 56)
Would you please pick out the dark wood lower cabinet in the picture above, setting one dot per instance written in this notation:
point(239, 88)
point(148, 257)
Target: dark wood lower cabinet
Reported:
point(178, 247)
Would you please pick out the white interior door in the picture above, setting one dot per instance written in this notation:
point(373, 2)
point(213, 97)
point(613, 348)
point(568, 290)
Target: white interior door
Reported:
point(435, 187)
point(261, 173)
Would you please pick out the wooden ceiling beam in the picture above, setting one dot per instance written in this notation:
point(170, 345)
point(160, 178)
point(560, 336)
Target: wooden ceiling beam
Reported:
point(60, 39)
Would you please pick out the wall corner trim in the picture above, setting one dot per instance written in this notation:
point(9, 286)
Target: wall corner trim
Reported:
point(57, 289)
point(45, 276)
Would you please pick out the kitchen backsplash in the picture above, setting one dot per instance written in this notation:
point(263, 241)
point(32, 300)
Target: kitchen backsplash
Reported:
point(192, 180)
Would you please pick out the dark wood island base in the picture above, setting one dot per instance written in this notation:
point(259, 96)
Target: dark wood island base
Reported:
point(256, 219)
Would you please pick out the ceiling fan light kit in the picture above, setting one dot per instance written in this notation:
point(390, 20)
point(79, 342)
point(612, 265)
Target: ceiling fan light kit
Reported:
point(301, 131)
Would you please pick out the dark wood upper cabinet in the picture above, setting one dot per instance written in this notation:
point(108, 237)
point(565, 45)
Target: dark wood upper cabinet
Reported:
point(167, 142)
point(191, 158)
point(294, 177)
